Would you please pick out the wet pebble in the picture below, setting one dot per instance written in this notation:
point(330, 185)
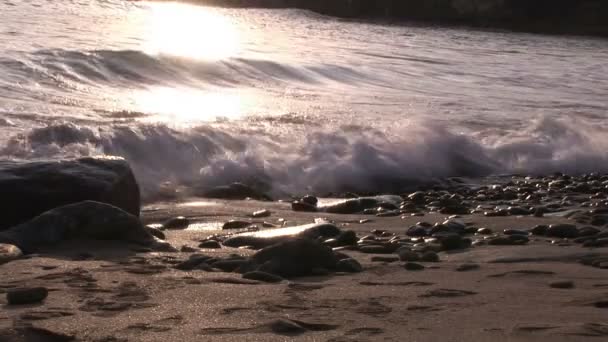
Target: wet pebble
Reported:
point(261, 213)
point(179, 222)
point(236, 224)
point(485, 231)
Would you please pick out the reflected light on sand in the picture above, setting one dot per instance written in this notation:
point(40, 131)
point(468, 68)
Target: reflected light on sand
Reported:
point(190, 31)
point(184, 105)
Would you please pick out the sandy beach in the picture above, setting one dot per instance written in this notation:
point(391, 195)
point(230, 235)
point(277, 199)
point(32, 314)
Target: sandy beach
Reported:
point(109, 291)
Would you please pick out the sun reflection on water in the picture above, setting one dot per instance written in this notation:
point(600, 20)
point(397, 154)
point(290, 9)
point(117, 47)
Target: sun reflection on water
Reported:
point(190, 31)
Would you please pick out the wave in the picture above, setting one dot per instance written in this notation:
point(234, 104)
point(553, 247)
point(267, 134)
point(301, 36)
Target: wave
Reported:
point(350, 158)
point(132, 68)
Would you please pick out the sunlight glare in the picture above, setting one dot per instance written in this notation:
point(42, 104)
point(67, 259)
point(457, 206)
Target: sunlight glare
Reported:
point(190, 31)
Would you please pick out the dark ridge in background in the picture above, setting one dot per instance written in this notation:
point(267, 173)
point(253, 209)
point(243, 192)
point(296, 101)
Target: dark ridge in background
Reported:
point(580, 17)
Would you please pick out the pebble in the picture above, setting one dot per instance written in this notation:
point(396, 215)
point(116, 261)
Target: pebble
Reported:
point(378, 249)
point(385, 259)
point(303, 206)
point(565, 284)
point(540, 229)
point(407, 255)
point(179, 222)
point(562, 230)
point(156, 232)
point(210, 244)
point(467, 267)
point(26, 295)
point(311, 200)
point(9, 253)
point(236, 224)
point(485, 231)
point(514, 232)
point(261, 213)
point(349, 265)
point(412, 266)
point(187, 249)
point(263, 276)
point(429, 256)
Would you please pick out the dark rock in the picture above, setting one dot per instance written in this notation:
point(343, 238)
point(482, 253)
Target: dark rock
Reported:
point(357, 205)
point(30, 189)
point(485, 231)
point(384, 259)
point(209, 244)
point(28, 333)
point(518, 211)
point(540, 229)
point(236, 224)
point(514, 232)
point(349, 265)
point(26, 295)
point(408, 255)
point(451, 241)
point(467, 267)
point(263, 276)
point(386, 248)
point(412, 266)
point(310, 200)
point(429, 256)
point(156, 232)
point(508, 240)
point(417, 231)
point(302, 206)
point(347, 238)
point(261, 213)
point(178, 222)
point(295, 257)
point(229, 265)
point(565, 284)
point(88, 220)
point(9, 253)
point(187, 249)
point(234, 191)
point(562, 231)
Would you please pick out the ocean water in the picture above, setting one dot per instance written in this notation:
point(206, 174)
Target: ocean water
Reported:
point(198, 96)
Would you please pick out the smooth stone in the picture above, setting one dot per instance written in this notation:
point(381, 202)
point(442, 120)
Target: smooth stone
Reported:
point(485, 231)
point(263, 276)
point(451, 242)
point(296, 257)
point(514, 232)
point(234, 191)
point(156, 232)
point(429, 256)
point(88, 220)
point(9, 253)
point(349, 265)
point(412, 266)
point(565, 284)
point(261, 213)
point(236, 224)
point(408, 255)
point(179, 222)
point(562, 230)
point(32, 188)
point(303, 206)
point(416, 231)
point(384, 259)
point(467, 267)
point(26, 295)
point(540, 229)
point(209, 244)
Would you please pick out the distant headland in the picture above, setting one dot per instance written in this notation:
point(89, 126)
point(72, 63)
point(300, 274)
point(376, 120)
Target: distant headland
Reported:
point(582, 17)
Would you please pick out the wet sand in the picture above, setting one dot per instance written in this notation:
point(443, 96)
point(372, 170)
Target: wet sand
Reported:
point(107, 291)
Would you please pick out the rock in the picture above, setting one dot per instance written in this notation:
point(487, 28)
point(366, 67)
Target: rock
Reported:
point(234, 191)
point(518, 211)
point(357, 205)
point(417, 231)
point(347, 238)
point(349, 265)
point(209, 244)
point(9, 253)
point(485, 231)
point(378, 248)
point(295, 257)
point(26, 295)
point(452, 241)
point(261, 213)
point(310, 200)
point(467, 267)
point(407, 255)
point(30, 189)
point(229, 265)
point(429, 256)
point(588, 231)
point(263, 276)
point(514, 232)
point(236, 224)
point(565, 284)
point(187, 249)
point(412, 266)
point(540, 229)
point(302, 206)
point(562, 230)
point(508, 240)
point(384, 259)
point(156, 232)
point(178, 222)
point(192, 263)
point(265, 238)
point(88, 220)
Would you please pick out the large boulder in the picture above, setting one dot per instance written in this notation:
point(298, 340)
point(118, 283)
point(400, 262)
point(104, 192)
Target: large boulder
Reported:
point(29, 189)
point(83, 220)
point(295, 257)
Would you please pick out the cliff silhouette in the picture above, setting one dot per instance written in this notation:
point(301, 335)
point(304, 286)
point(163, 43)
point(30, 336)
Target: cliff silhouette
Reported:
point(587, 17)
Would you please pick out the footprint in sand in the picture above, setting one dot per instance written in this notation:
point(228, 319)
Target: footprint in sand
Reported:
point(39, 315)
point(30, 333)
point(358, 334)
point(447, 293)
point(521, 273)
point(161, 325)
point(396, 283)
